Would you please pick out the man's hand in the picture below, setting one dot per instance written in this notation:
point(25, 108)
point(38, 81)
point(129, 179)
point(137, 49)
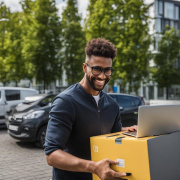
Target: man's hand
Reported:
point(103, 170)
point(63, 160)
point(131, 128)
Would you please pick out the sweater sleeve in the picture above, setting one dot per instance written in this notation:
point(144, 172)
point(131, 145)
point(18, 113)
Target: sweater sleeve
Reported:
point(61, 119)
point(117, 124)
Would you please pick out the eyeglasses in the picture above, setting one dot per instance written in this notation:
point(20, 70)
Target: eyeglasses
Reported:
point(97, 70)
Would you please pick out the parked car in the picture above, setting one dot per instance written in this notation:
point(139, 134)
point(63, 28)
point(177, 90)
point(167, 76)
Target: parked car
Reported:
point(11, 97)
point(128, 105)
point(28, 121)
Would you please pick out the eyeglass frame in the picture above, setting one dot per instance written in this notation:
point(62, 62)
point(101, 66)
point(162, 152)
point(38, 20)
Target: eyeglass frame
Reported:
point(102, 70)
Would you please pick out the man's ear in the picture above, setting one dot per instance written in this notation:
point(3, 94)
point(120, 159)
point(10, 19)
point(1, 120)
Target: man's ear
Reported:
point(84, 68)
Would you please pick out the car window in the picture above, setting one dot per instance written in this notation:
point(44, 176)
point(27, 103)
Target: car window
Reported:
point(137, 101)
point(114, 97)
point(12, 95)
point(47, 100)
point(125, 101)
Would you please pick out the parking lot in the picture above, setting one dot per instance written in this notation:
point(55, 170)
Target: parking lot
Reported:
point(21, 161)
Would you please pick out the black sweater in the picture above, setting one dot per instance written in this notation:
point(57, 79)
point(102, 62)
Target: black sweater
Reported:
point(74, 118)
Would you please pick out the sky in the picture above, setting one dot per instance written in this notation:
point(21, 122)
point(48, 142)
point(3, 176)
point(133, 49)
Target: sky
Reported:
point(82, 5)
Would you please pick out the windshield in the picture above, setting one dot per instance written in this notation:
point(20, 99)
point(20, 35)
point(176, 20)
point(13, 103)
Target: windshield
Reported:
point(33, 98)
point(47, 100)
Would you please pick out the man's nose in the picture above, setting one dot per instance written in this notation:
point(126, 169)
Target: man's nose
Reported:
point(102, 75)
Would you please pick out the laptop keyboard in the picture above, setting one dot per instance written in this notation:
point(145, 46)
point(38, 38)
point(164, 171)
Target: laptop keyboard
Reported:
point(129, 133)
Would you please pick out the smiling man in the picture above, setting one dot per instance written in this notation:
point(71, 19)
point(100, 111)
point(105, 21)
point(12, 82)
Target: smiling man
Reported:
point(97, 83)
point(81, 111)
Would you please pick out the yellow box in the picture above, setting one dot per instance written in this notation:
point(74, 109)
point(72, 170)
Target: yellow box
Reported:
point(149, 158)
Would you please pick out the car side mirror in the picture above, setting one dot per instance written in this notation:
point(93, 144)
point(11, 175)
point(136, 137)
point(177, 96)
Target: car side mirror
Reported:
point(121, 108)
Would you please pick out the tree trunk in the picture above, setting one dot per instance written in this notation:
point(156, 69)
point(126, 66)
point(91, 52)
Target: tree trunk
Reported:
point(167, 97)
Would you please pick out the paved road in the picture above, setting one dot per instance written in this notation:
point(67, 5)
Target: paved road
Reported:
point(21, 161)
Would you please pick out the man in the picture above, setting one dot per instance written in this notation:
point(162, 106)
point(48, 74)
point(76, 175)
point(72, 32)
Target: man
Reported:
point(82, 111)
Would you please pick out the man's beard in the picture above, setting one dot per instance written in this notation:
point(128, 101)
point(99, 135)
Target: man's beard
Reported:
point(92, 84)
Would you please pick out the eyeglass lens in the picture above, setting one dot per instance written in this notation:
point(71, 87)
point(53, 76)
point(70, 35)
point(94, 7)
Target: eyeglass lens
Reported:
point(98, 70)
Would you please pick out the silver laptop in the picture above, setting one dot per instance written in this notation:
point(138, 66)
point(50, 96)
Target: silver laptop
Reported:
point(157, 120)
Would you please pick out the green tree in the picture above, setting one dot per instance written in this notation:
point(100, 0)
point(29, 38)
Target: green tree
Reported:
point(101, 20)
point(41, 42)
point(73, 42)
point(4, 27)
point(18, 68)
point(124, 23)
point(166, 73)
point(133, 47)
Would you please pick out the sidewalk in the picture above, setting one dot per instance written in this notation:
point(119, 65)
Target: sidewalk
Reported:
point(21, 161)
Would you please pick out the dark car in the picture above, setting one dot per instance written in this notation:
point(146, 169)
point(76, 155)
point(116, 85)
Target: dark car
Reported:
point(28, 121)
point(128, 105)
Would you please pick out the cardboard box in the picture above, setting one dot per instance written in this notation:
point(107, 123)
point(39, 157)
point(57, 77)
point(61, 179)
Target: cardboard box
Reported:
point(148, 158)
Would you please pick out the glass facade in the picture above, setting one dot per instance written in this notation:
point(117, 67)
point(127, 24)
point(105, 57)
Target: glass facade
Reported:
point(176, 13)
point(167, 14)
point(169, 10)
point(176, 26)
point(160, 7)
point(160, 93)
point(158, 25)
point(172, 23)
point(151, 92)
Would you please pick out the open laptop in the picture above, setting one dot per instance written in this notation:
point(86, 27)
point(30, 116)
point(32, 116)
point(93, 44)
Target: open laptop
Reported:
point(157, 120)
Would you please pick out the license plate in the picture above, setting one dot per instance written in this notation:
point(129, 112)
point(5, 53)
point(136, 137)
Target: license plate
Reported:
point(12, 127)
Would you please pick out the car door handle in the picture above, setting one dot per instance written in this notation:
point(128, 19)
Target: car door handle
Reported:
point(135, 112)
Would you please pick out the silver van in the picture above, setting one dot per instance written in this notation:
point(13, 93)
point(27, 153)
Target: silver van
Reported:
point(11, 97)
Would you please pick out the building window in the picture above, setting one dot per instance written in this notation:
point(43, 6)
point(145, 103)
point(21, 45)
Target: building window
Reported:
point(151, 92)
point(156, 44)
point(158, 25)
point(166, 22)
point(160, 7)
point(171, 23)
point(160, 93)
point(176, 26)
point(176, 13)
point(144, 91)
point(169, 10)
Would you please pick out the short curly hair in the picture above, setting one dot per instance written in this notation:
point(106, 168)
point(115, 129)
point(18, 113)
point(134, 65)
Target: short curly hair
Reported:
point(100, 47)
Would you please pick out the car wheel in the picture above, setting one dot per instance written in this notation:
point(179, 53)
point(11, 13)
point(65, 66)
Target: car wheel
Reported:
point(41, 137)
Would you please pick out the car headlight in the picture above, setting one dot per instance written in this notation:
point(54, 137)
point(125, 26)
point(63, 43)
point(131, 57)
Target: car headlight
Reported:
point(34, 114)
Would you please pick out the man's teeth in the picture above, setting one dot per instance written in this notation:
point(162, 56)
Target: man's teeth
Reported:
point(100, 81)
